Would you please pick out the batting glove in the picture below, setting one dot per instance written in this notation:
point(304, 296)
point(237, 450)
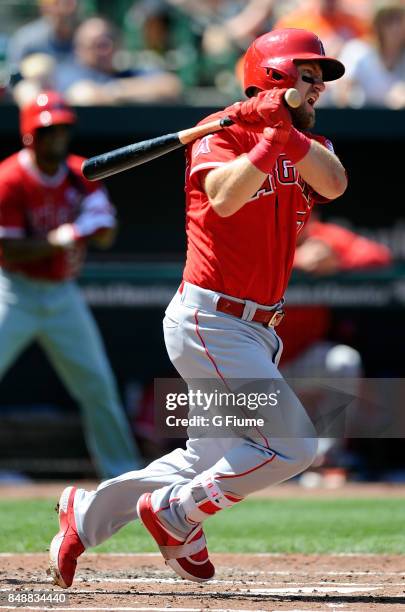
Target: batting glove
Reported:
point(63, 236)
point(267, 109)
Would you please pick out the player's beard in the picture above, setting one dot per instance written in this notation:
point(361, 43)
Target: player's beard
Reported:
point(302, 119)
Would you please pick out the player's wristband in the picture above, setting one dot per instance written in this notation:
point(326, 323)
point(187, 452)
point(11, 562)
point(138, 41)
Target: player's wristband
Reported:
point(264, 155)
point(297, 146)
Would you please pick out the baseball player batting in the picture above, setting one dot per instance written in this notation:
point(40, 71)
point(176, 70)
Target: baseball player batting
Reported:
point(250, 189)
point(48, 213)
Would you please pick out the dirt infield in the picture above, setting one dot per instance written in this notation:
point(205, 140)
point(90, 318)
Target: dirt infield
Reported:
point(261, 582)
point(243, 582)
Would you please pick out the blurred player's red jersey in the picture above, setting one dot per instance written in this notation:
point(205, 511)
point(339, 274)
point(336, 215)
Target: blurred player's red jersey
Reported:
point(250, 254)
point(32, 204)
point(306, 325)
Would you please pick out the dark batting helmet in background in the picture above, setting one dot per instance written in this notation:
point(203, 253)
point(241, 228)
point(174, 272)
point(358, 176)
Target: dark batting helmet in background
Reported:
point(270, 61)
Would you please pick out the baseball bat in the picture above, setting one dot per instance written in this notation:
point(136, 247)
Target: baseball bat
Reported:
point(130, 156)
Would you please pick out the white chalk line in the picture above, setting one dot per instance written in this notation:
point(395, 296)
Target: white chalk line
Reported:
point(175, 581)
point(149, 609)
point(169, 609)
point(347, 573)
point(256, 580)
point(365, 585)
point(120, 609)
point(306, 590)
point(291, 588)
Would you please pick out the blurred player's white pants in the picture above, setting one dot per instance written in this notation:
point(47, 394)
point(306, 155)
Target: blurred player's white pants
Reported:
point(55, 315)
point(325, 360)
point(241, 350)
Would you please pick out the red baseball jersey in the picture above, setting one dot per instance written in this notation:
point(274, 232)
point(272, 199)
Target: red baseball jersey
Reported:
point(32, 204)
point(353, 250)
point(248, 255)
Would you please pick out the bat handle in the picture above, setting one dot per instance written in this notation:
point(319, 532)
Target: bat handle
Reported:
point(187, 136)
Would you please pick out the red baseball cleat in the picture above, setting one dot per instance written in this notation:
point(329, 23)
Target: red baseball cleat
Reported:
point(189, 559)
point(66, 546)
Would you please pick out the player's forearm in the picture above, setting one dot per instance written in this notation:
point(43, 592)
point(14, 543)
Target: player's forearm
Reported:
point(322, 170)
point(26, 249)
point(229, 187)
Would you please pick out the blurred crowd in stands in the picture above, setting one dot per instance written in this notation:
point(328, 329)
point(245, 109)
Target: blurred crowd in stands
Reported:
point(190, 51)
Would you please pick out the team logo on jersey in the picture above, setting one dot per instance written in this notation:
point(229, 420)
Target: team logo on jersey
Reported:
point(204, 146)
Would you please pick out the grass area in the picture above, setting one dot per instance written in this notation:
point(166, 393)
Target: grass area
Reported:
point(283, 526)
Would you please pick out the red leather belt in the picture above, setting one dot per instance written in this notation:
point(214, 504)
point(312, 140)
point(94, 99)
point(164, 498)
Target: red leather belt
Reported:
point(270, 318)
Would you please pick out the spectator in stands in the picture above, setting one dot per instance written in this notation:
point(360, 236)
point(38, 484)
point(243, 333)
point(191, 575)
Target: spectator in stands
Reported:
point(52, 33)
point(222, 30)
point(256, 18)
point(361, 8)
point(232, 23)
point(375, 71)
point(37, 73)
point(93, 77)
point(326, 18)
point(159, 36)
point(229, 30)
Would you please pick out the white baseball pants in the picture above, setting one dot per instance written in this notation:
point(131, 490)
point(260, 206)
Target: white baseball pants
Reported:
point(55, 315)
point(203, 343)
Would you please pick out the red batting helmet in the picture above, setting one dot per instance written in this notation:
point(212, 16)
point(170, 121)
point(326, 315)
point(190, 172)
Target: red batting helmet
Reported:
point(48, 108)
point(270, 60)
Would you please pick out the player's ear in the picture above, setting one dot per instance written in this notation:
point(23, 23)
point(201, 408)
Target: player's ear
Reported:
point(253, 91)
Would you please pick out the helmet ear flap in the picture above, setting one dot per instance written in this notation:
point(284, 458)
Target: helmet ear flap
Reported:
point(251, 91)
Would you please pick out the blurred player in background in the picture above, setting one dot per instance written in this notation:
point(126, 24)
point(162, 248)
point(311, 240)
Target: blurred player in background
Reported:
point(309, 353)
point(324, 248)
point(48, 214)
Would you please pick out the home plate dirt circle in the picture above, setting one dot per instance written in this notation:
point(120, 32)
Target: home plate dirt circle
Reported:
point(131, 582)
